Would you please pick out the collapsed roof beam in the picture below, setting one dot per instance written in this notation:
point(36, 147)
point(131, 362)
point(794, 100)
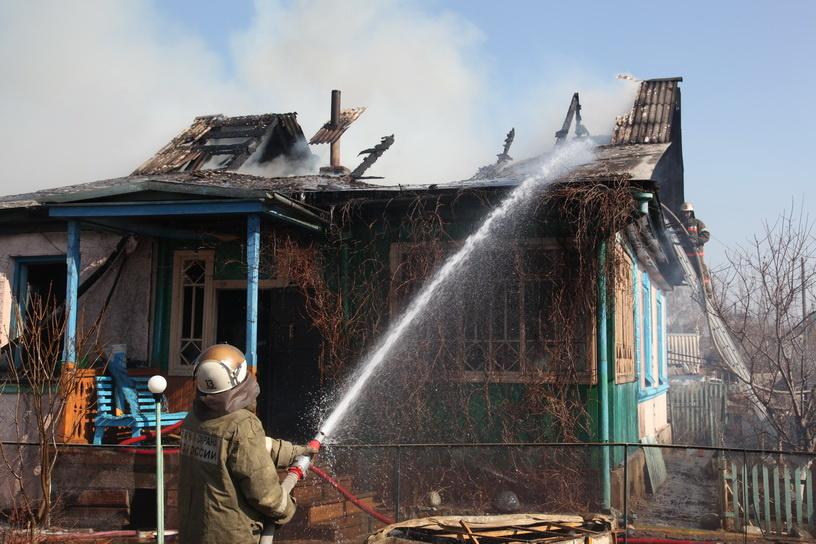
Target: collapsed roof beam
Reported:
point(574, 111)
point(373, 153)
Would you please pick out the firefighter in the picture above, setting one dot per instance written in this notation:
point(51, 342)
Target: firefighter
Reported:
point(228, 480)
point(698, 236)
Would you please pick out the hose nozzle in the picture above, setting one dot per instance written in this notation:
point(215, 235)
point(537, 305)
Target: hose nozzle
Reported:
point(298, 469)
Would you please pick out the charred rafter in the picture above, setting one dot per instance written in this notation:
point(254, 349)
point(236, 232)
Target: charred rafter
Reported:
point(373, 153)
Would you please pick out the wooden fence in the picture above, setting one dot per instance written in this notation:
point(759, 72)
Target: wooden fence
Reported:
point(774, 497)
point(697, 413)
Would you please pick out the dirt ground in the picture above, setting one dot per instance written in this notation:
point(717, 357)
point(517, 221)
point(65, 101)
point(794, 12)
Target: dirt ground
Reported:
point(686, 497)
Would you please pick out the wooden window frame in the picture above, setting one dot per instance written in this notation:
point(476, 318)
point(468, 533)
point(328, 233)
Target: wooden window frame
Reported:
point(650, 380)
point(174, 364)
point(524, 374)
point(662, 355)
point(625, 337)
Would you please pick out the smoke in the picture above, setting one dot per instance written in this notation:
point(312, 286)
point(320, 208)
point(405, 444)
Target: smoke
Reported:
point(602, 100)
point(90, 90)
point(300, 161)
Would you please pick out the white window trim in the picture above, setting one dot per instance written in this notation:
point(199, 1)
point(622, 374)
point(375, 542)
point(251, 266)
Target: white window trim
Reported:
point(174, 367)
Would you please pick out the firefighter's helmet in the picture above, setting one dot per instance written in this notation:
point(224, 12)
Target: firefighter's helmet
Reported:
point(687, 207)
point(219, 368)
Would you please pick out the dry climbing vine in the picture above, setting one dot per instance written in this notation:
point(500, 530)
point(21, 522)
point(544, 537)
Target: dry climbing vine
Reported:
point(374, 260)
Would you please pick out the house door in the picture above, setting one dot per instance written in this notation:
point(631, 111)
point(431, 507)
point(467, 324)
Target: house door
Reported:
point(290, 375)
point(288, 350)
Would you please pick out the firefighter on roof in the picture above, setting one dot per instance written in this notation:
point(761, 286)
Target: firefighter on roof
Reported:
point(698, 236)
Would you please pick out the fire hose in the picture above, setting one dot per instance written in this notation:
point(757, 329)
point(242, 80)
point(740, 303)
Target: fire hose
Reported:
point(295, 473)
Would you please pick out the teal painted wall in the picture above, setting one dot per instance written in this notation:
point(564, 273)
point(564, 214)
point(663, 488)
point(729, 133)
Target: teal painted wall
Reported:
point(229, 259)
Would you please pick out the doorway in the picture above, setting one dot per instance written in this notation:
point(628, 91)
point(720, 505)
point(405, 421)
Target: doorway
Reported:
point(288, 353)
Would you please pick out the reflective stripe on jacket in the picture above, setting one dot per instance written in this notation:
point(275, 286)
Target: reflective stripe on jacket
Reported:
point(699, 234)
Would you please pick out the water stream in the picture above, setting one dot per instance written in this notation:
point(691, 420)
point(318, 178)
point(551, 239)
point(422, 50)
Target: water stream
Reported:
point(554, 167)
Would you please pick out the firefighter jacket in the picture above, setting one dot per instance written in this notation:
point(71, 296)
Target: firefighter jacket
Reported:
point(228, 482)
point(698, 235)
point(698, 231)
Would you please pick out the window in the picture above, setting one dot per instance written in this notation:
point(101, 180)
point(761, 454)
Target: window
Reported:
point(662, 355)
point(646, 308)
point(502, 328)
point(191, 315)
point(624, 320)
point(40, 278)
point(638, 321)
point(38, 289)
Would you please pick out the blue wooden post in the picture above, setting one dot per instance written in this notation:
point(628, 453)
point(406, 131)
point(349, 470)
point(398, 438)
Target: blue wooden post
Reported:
point(71, 293)
point(253, 259)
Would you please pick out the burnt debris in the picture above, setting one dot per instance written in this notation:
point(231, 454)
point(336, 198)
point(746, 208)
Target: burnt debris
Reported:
point(216, 142)
point(373, 153)
point(502, 159)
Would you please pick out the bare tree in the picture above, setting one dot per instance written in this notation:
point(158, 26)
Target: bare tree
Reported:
point(765, 295)
point(34, 374)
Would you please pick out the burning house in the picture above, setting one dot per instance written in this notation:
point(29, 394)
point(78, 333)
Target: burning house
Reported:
point(557, 333)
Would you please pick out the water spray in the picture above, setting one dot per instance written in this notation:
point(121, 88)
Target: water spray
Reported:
point(558, 164)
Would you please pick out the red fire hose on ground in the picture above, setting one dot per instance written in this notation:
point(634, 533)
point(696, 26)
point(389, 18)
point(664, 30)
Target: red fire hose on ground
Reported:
point(348, 495)
point(319, 472)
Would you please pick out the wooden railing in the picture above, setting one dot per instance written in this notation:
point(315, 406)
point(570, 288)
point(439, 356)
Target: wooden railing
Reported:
point(78, 386)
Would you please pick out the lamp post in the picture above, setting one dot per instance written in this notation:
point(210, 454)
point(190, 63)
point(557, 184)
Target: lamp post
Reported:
point(157, 385)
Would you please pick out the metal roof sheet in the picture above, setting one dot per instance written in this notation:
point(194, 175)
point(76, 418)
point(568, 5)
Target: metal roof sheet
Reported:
point(684, 348)
point(650, 120)
point(328, 134)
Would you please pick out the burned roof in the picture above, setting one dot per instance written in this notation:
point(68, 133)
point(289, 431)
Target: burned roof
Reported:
point(637, 162)
point(653, 115)
point(202, 183)
point(205, 158)
point(216, 142)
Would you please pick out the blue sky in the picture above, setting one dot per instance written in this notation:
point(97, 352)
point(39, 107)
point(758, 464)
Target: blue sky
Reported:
point(449, 78)
point(749, 72)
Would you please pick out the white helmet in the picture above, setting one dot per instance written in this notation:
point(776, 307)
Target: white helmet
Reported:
point(219, 368)
point(687, 207)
